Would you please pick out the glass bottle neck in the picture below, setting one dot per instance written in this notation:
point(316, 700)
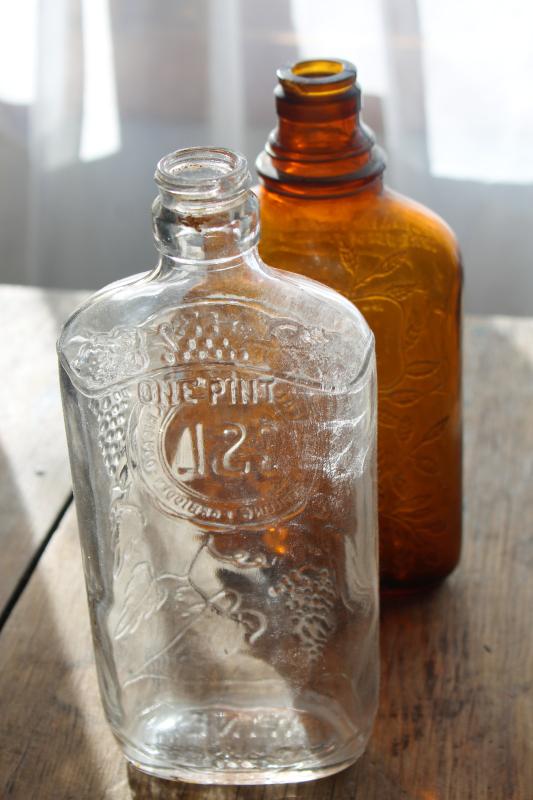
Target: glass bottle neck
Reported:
point(213, 236)
point(205, 212)
point(320, 147)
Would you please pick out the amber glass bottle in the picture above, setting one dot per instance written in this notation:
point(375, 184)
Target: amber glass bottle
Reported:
point(326, 213)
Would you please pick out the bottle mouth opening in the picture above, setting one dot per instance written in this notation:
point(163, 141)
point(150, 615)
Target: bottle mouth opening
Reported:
point(203, 174)
point(318, 77)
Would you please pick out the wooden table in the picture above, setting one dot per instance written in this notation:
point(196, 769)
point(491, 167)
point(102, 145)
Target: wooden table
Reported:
point(456, 717)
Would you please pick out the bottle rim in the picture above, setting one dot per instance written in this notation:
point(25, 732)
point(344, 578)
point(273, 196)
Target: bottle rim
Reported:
point(316, 77)
point(200, 174)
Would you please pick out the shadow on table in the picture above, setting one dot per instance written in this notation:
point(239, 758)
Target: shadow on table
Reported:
point(17, 537)
point(43, 741)
point(38, 692)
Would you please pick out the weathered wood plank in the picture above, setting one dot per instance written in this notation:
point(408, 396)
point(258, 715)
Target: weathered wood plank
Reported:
point(54, 743)
point(457, 665)
point(35, 478)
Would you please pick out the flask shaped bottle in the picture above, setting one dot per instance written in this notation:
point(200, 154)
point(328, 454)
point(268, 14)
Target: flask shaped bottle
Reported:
point(221, 421)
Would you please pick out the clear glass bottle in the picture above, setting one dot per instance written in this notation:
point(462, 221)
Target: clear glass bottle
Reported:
point(221, 424)
point(325, 213)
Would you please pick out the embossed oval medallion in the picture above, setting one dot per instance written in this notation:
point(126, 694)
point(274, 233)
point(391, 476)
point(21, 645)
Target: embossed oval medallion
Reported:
point(218, 448)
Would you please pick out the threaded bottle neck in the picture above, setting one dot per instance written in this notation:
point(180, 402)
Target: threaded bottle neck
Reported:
point(320, 148)
point(205, 210)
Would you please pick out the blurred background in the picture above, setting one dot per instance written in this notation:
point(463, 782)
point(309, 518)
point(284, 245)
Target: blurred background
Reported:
point(94, 92)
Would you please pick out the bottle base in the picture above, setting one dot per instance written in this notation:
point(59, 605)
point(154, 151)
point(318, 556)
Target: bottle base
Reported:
point(241, 778)
point(392, 589)
point(236, 746)
point(419, 585)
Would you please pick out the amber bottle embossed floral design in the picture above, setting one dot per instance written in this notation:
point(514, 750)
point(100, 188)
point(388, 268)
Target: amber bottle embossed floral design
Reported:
point(325, 213)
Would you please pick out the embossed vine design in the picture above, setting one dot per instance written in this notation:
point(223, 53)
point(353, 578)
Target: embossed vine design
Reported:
point(396, 279)
point(185, 602)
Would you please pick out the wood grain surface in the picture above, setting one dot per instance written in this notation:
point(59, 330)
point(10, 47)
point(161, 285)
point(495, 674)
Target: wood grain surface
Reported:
point(35, 478)
point(455, 719)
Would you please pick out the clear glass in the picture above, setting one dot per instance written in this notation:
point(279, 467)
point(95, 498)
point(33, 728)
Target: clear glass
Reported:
point(325, 213)
point(221, 424)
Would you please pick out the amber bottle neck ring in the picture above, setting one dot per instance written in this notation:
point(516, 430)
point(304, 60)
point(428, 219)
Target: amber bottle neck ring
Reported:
point(320, 147)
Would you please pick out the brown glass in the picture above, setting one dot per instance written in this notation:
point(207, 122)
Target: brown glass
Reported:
point(325, 213)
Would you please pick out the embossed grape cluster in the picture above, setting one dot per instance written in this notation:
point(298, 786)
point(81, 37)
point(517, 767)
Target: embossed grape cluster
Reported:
point(109, 357)
point(204, 337)
point(310, 595)
point(110, 413)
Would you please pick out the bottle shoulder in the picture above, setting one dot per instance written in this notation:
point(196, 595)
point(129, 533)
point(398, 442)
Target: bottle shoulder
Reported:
point(378, 218)
point(420, 216)
point(258, 319)
point(319, 301)
point(97, 308)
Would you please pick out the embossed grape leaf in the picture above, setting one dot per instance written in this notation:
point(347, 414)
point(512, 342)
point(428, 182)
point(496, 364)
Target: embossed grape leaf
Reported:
point(435, 432)
point(404, 429)
point(417, 502)
point(422, 369)
point(387, 419)
point(415, 515)
point(412, 334)
point(401, 291)
point(405, 397)
point(347, 259)
point(144, 597)
point(425, 521)
point(427, 464)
